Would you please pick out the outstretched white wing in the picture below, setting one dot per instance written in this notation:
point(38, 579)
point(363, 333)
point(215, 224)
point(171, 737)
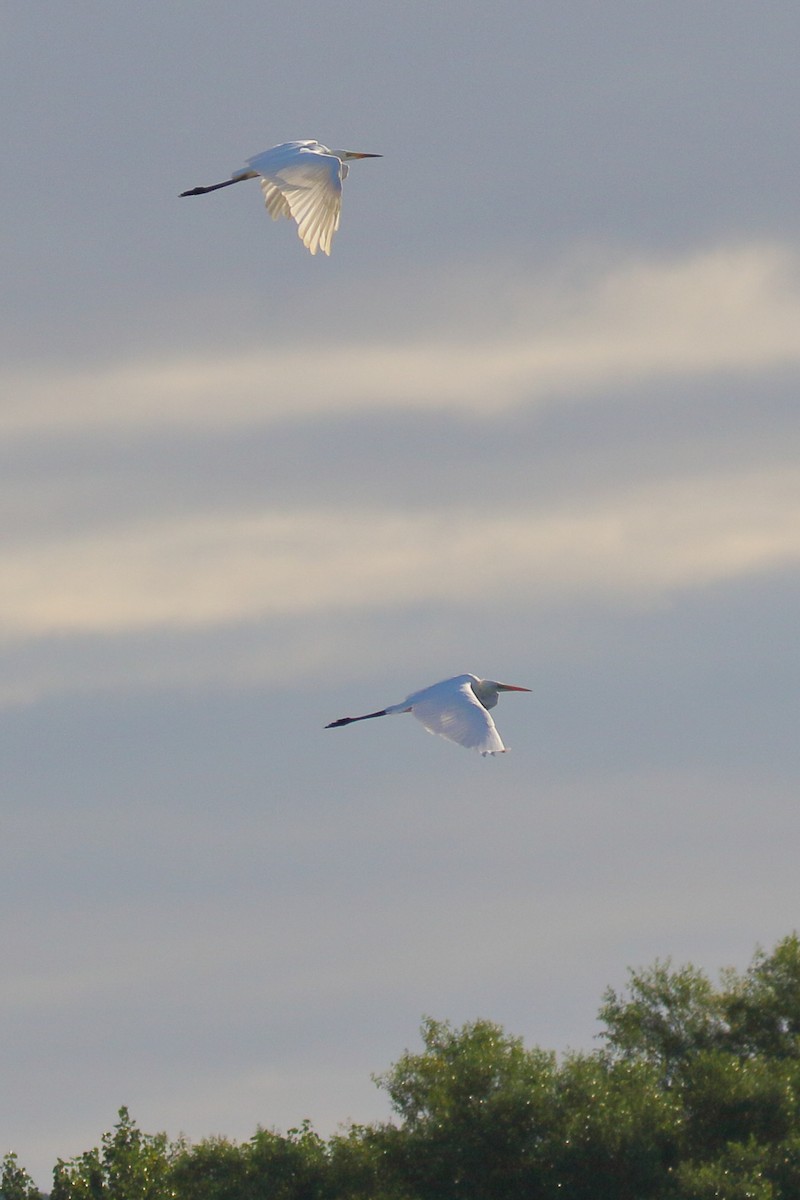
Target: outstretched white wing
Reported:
point(457, 714)
point(305, 184)
point(274, 200)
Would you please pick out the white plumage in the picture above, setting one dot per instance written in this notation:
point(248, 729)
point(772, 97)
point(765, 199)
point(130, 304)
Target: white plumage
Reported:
point(300, 180)
point(457, 709)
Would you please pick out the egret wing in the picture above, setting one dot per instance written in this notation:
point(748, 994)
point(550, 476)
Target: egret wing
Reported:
point(274, 200)
point(309, 184)
point(460, 717)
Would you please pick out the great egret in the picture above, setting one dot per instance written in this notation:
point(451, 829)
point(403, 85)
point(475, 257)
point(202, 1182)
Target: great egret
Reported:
point(301, 180)
point(456, 708)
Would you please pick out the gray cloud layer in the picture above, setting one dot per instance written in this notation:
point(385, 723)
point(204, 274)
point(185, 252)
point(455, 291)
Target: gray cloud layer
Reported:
point(536, 418)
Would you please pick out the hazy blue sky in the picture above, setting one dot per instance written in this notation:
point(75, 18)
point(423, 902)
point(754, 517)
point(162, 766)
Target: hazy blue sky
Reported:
point(536, 418)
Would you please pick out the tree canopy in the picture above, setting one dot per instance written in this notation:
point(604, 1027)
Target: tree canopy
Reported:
point(694, 1094)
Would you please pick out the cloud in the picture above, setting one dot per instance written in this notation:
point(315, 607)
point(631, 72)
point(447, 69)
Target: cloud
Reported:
point(210, 569)
point(577, 330)
point(124, 553)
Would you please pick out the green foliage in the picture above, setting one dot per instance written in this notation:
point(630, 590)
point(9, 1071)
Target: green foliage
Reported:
point(736, 1174)
point(294, 1166)
point(728, 1098)
point(695, 1095)
point(15, 1182)
point(215, 1169)
point(762, 1007)
point(360, 1167)
point(619, 1129)
point(465, 1073)
point(130, 1166)
point(668, 1017)
point(730, 1057)
point(477, 1110)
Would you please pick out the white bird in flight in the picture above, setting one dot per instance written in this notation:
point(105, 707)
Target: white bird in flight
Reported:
point(456, 708)
point(302, 180)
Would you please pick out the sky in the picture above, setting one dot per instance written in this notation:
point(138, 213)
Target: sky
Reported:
point(536, 418)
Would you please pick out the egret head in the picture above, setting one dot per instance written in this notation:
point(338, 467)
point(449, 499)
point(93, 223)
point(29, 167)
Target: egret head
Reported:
point(487, 690)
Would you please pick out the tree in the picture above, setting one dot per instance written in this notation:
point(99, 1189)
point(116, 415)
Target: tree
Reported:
point(359, 1167)
point(619, 1130)
point(735, 1174)
point(694, 1096)
point(15, 1182)
point(293, 1167)
point(730, 1057)
point(667, 1017)
point(762, 1006)
point(130, 1166)
point(477, 1108)
point(214, 1169)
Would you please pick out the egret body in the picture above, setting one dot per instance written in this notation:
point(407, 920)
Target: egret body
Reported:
point(301, 180)
point(456, 708)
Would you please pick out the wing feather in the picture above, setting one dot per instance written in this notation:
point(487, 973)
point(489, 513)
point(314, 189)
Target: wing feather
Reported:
point(460, 717)
point(306, 184)
point(274, 200)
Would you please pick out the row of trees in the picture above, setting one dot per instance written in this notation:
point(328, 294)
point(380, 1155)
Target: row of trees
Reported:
point(694, 1095)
